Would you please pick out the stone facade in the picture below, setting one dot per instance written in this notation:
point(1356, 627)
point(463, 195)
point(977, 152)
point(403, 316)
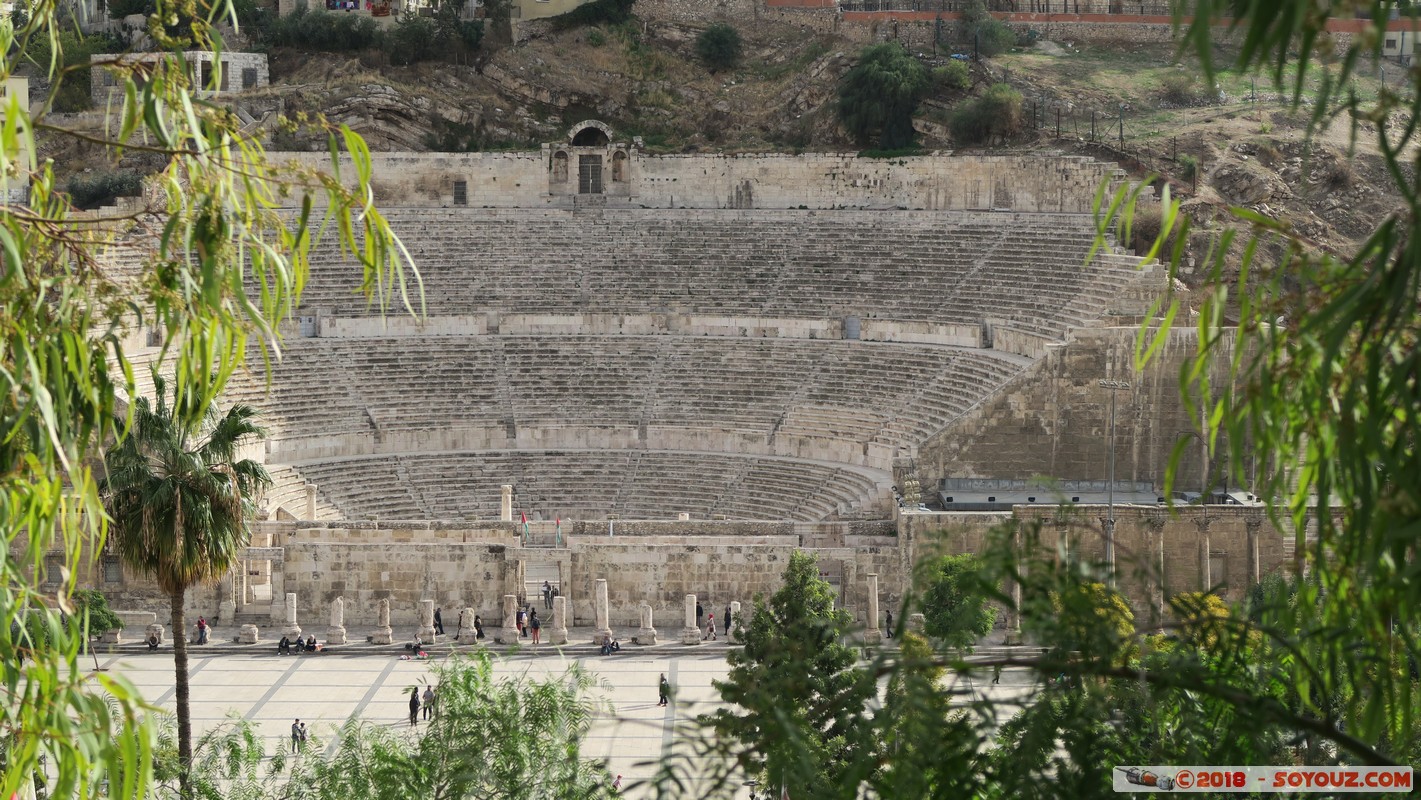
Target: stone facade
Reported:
point(554, 177)
point(1054, 419)
point(240, 71)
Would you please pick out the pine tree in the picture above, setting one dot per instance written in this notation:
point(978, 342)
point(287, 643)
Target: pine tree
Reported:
point(796, 689)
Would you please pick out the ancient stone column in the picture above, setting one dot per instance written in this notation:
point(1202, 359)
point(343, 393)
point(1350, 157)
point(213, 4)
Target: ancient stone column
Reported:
point(310, 501)
point(872, 634)
point(508, 634)
point(558, 632)
point(467, 633)
point(917, 623)
point(735, 625)
point(646, 634)
point(505, 512)
point(249, 634)
point(383, 633)
point(228, 609)
point(291, 630)
point(603, 631)
point(426, 621)
point(691, 633)
point(335, 634)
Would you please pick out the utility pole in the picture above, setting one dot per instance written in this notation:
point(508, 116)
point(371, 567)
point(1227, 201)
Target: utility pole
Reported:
point(1114, 386)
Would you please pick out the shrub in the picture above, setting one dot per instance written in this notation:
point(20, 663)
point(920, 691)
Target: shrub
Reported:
point(101, 617)
point(92, 191)
point(1181, 89)
point(953, 76)
point(1188, 167)
point(411, 40)
point(718, 47)
point(595, 38)
point(1145, 229)
point(995, 113)
point(985, 32)
point(1338, 175)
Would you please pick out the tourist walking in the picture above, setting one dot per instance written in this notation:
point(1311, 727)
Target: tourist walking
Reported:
point(547, 595)
point(295, 736)
point(889, 626)
point(664, 690)
point(428, 702)
point(414, 705)
point(996, 673)
point(202, 630)
point(710, 629)
point(303, 736)
point(478, 627)
point(535, 624)
point(521, 621)
point(726, 620)
point(438, 623)
point(700, 615)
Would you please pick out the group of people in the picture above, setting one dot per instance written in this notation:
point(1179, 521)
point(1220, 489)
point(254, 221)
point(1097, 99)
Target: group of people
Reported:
point(420, 703)
point(549, 592)
point(707, 622)
point(298, 736)
point(286, 645)
point(528, 622)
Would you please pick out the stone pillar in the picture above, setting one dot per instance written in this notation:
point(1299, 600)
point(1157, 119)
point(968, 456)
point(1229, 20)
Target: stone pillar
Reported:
point(310, 501)
point(872, 634)
point(249, 634)
point(467, 633)
point(291, 629)
point(917, 623)
point(1206, 578)
point(1252, 523)
point(690, 633)
point(603, 631)
point(558, 630)
point(735, 625)
point(155, 629)
point(508, 633)
point(426, 621)
point(335, 634)
point(228, 610)
point(505, 505)
point(278, 594)
point(646, 634)
point(383, 633)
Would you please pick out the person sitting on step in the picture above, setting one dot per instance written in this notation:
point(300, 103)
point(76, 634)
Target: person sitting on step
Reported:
point(283, 648)
point(152, 641)
point(311, 644)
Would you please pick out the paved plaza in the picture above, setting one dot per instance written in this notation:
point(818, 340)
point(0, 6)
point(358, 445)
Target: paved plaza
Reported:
point(326, 688)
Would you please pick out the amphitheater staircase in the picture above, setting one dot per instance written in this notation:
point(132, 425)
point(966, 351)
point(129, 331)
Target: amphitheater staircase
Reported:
point(629, 479)
point(501, 390)
point(414, 487)
point(654, 378)
point(732, 488)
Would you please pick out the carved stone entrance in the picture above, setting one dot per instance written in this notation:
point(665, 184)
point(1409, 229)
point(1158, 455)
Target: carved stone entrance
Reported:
point(589, 174)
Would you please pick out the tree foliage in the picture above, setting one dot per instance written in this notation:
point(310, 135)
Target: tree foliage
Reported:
point(794, 688)
point(513, 738)
point(719, 47)
point(180, 501)
point(209, 230)
point(879, 95)
point(955, 601)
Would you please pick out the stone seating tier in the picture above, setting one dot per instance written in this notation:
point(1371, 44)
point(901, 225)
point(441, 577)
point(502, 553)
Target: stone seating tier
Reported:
point(945, 267)
point(843, 395)
point(587, 485)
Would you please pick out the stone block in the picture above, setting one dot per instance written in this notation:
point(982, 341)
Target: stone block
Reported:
point(249, 634)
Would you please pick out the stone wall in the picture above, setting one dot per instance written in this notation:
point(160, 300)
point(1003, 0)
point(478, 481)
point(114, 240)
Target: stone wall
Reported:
point(1224, 548)
point(1053, 419)
point(240, 71)
point(811, 181)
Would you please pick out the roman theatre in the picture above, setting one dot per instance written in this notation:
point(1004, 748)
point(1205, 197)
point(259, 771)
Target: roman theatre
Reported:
point(681, 368)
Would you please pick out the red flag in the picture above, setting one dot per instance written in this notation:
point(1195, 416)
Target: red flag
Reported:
point(524, 516)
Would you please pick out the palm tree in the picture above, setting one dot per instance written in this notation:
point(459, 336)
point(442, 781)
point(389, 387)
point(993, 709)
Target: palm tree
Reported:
point(179, 500)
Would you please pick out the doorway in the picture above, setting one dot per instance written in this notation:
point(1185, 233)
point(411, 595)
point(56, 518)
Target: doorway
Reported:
point(589, 174)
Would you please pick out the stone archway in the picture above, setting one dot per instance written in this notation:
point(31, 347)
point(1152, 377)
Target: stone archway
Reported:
point(590, 133)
